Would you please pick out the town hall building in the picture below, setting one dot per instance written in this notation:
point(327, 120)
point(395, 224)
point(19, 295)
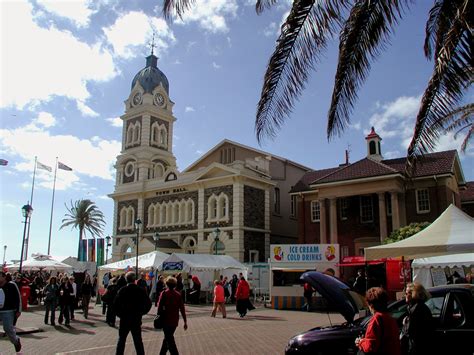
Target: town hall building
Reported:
point(234, 200)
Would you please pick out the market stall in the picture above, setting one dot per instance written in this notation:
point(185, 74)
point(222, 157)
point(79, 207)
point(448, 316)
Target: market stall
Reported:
point(434, 271)
point(289, 261)
point(145, 262)
point(205, 266)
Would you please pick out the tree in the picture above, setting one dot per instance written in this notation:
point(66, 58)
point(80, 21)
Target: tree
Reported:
point(405, 232)
point(365, 28)
point(459, 120)
point(84, 215)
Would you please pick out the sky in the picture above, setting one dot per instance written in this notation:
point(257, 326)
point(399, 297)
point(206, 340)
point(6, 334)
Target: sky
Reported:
point(67, 67)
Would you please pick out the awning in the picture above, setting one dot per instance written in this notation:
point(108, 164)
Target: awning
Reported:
point(359, 261)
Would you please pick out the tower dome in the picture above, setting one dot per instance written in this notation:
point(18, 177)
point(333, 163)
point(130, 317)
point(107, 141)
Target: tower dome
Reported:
point(150, 77)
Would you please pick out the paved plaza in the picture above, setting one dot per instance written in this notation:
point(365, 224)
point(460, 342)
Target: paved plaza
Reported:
point(262, 331)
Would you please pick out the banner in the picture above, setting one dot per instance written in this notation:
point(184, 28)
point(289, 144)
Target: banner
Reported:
point(311, 253)
point(100, 251)
point(91, 250)
point(83, 250)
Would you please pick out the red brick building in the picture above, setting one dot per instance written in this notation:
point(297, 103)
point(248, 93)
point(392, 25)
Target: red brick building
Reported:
point(359, 204)
point(467, 198)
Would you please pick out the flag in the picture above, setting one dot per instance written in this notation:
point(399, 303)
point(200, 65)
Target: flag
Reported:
point(3, 162)
point(100, 251)
point(91, 249)
point(44, 167)
point(83, 250)
point(63, 166)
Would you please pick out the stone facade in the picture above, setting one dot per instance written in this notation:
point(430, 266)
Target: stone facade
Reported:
point(254, 207)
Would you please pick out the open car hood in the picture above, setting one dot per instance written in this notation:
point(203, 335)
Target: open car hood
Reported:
point(337, 293)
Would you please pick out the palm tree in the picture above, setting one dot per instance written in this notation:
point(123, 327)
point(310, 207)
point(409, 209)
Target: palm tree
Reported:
point(84, 215)
point(364, 27)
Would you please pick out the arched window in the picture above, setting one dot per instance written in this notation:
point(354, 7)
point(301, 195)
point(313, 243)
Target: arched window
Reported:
point(212, 207)
point(127, 252)
point(129, 134)
point(189, 245)
point(163, 214)
point(175, 212)
point(182, 212)
point(136, 133)
point(155, 133)
point(163, 141)
point(223, 206)
point(130, 217)
point(123, 218)
point(151, 216)
point(158, 170)
point(220, 248)
point(189, 211)
point(372, 149)
point(157, 215)
point(169, 213)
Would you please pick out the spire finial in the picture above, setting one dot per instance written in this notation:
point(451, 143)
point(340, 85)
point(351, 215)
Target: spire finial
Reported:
point(152, 45)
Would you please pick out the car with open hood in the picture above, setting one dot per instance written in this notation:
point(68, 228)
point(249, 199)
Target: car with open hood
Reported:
point(452, 307)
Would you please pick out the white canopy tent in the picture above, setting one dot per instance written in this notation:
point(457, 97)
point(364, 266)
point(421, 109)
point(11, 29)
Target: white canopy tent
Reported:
point(150, 260)
point(451, 233)
point(423, 267)
point(205, 266)
point(42, 262)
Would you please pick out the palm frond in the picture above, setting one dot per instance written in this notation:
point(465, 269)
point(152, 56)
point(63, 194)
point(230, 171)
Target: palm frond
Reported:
point(364, 34)
point(452, 74)
point(438, 24)
point(177, 7)
point(262, 5)
point(460, 120)
point(303, 37)
point(467, 139)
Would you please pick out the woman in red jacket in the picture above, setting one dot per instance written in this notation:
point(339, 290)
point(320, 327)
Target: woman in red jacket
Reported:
point(242, 296)
point(381, 335)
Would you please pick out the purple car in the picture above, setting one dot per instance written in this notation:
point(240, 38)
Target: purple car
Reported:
point(452, 307)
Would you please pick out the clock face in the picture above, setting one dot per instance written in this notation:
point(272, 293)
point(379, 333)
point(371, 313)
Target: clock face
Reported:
point(137, 99)
point(159, 100)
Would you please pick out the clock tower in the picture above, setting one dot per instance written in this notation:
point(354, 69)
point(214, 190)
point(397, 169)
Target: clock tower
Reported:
point(147, 137)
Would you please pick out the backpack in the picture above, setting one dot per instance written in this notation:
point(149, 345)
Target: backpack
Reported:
point(2, 298)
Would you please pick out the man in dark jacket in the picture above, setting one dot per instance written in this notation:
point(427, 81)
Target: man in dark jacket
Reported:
point(9, 309)
point(130, 305)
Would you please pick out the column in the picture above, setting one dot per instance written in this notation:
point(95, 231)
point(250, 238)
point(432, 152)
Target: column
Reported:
point(395, 211)
point(322, 221)
point(145, 133)
point(333, 220)
point(382, 216)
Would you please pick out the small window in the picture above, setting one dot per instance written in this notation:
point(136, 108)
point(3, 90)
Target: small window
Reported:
point(276, 207)
point(343, 208)
point(253, 256)
point(315, 211)
point(372, 149)
point(293, 206)
point(422, 201)
point(366, 209)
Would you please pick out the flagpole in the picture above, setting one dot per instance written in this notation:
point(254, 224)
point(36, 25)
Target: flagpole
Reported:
point(31, 204)
point(52, 205)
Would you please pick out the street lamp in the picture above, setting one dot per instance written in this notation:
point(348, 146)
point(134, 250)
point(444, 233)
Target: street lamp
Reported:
point(26, 210)
point(107, 245)
point(156, 238)
point(216, 238)
point(138, 221)
point(4, 253)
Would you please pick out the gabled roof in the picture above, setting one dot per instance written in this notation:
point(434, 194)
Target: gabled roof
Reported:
point(431, 164)
point(224, 141)
point(467, 194)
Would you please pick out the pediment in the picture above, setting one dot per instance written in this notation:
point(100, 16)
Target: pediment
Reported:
point(215, 171)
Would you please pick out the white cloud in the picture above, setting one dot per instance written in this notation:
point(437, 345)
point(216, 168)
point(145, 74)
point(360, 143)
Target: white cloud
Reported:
point(135, 29)
point(199, 152)
point(86, 110)
point(45, 119)
point(53, 62)
point(229, 42)
point(210, 14)
point(396, 118)
point(29, 141)
point(177, 62)
point(115, 121)
point(271, 30)
point(78, 11)
point(216, 66)
point(356, 126)
point(189, 109)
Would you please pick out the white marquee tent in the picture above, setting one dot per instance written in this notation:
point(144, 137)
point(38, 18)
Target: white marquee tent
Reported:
point(145, 261)
point(422, 268)
point(451, 233)
point(43, 262)
point(207, 267)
